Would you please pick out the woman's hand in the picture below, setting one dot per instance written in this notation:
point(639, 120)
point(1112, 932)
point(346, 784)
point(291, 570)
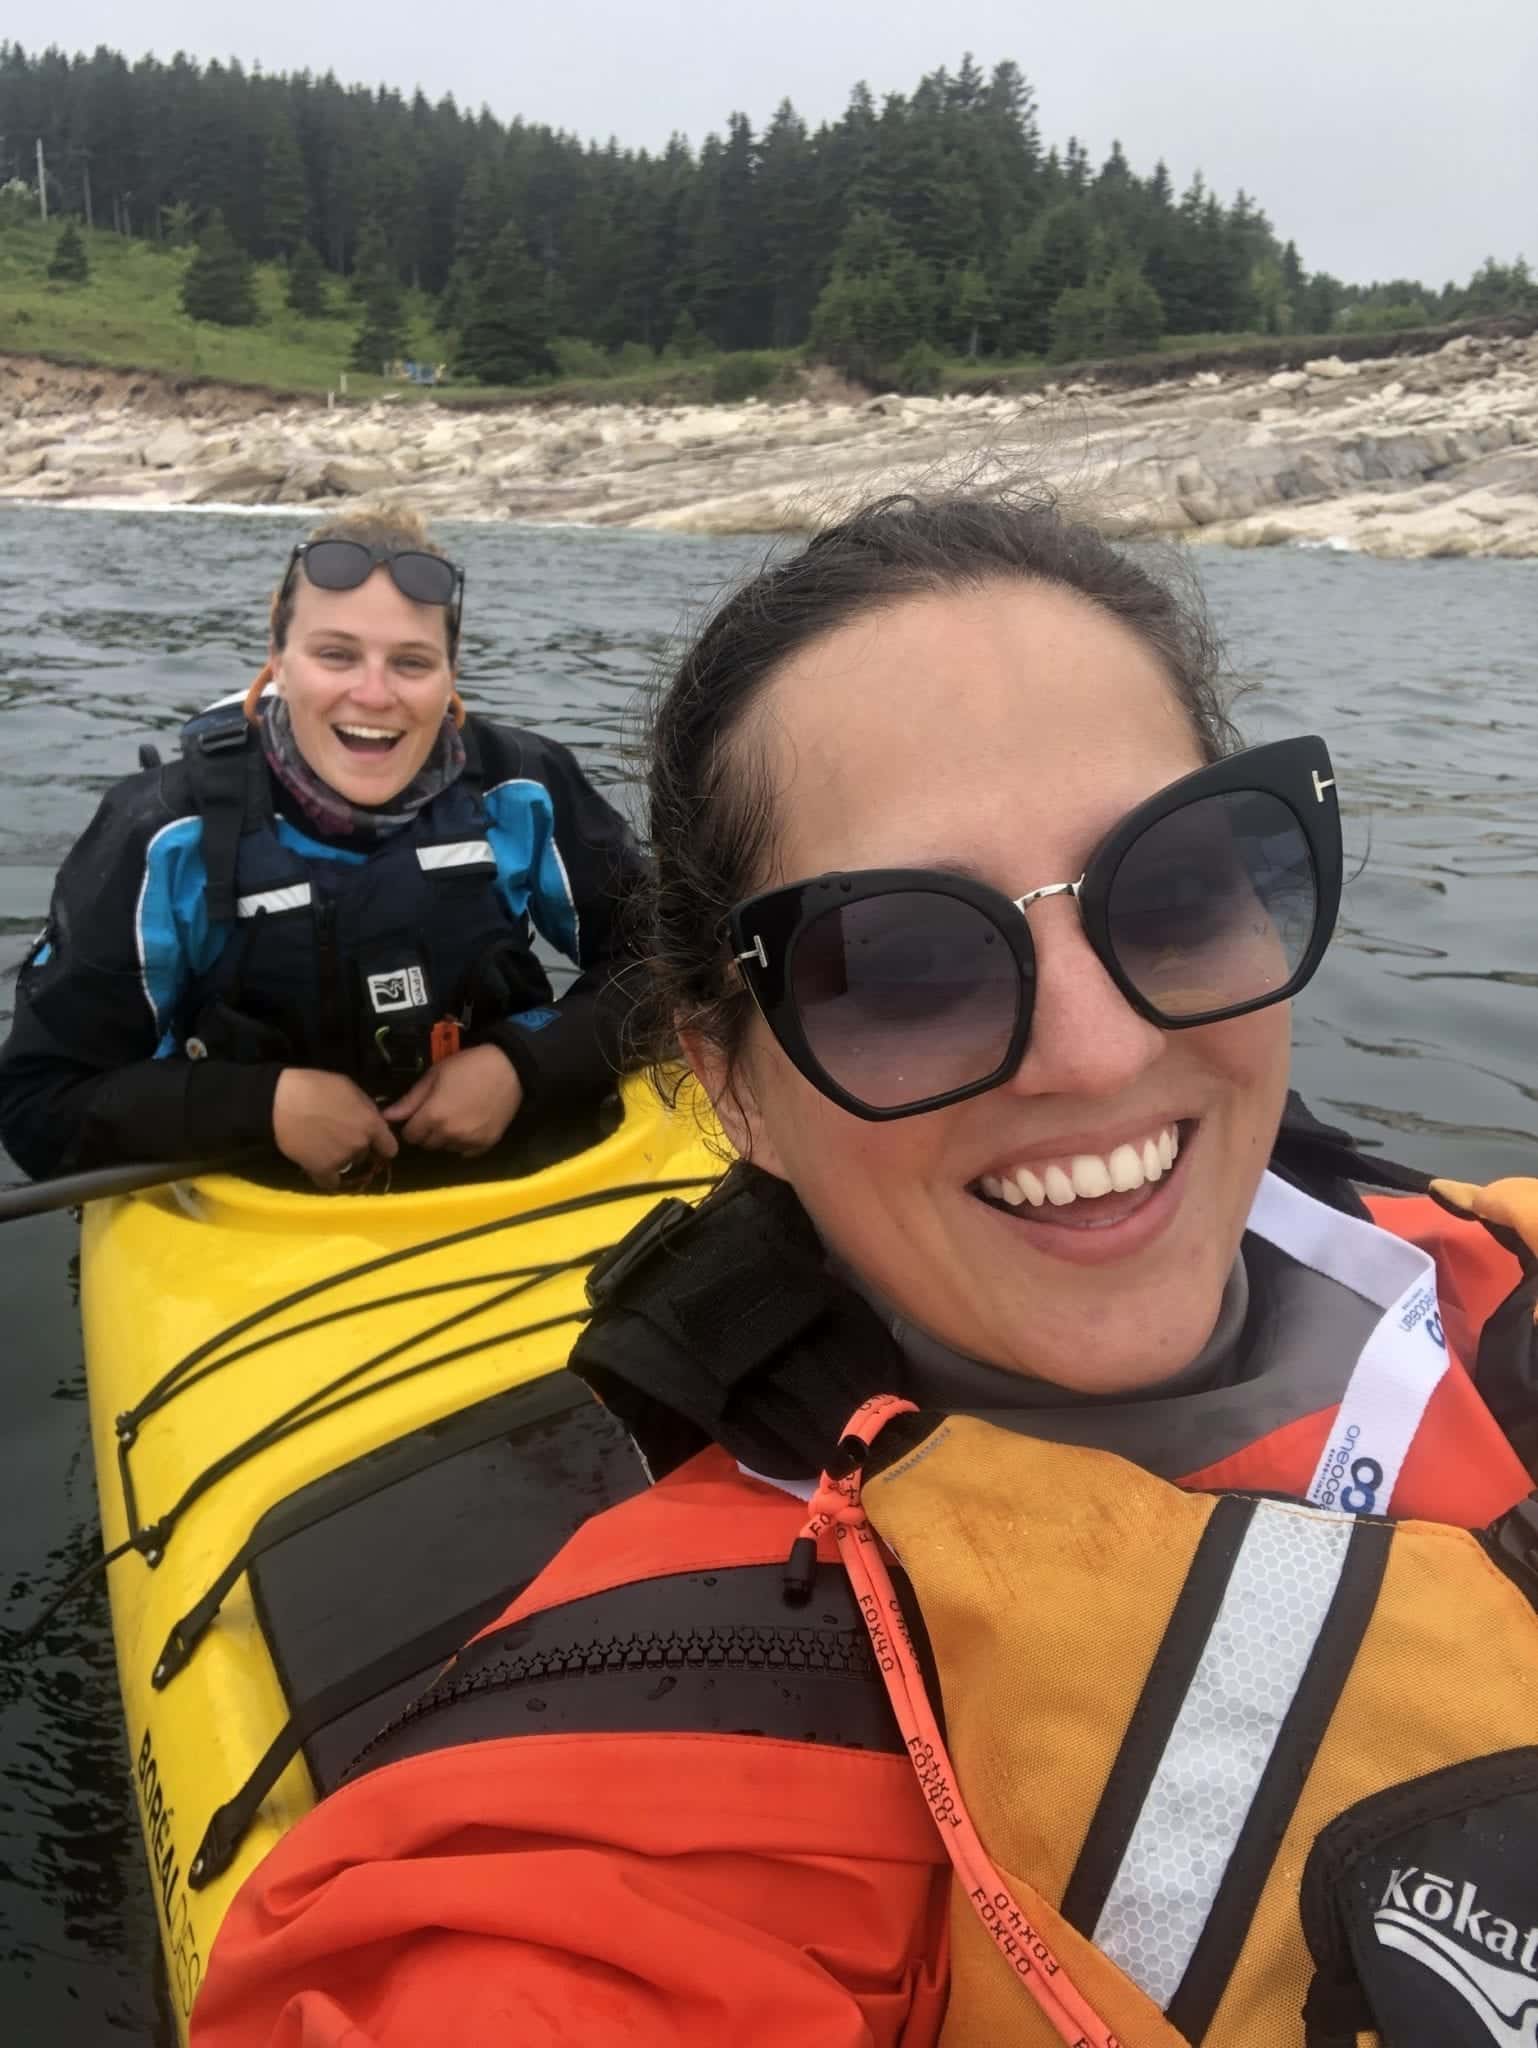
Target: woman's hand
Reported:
point(324, 1122)
point(1509, 1204)
point(463, 1104)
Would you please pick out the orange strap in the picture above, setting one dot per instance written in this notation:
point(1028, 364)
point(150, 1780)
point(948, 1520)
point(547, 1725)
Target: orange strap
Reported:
point(259, 683)
point(837, 1506)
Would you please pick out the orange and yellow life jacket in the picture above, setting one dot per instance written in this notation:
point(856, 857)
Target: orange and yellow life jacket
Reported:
point(1243, 1769)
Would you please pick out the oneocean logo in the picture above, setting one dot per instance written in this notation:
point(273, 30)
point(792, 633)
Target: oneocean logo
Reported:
point(1439, 1923)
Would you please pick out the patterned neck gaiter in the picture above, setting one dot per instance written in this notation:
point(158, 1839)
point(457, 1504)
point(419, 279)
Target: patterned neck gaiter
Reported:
point(335, 815)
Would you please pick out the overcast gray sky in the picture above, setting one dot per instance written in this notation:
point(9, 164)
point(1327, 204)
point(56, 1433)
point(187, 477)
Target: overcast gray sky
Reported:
point(1387, 139)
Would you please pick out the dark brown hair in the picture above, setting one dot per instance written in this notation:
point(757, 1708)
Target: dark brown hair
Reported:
point(711, 807)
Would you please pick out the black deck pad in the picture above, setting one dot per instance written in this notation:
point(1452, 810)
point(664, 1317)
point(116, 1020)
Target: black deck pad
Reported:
point(454, 1519)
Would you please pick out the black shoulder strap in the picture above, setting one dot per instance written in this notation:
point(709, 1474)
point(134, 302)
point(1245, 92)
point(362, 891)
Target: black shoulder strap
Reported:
point(229, 782)
point(722, 1324)
point(473, 775)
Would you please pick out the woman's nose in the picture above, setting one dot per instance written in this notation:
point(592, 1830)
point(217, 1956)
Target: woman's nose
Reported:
point(1085, 1038)
point(371, 685)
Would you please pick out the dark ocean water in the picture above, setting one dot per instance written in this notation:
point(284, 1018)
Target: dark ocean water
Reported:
point(1420, 1033)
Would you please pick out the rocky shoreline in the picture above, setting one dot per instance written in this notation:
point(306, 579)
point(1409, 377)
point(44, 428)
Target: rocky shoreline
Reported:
point(1398, 456)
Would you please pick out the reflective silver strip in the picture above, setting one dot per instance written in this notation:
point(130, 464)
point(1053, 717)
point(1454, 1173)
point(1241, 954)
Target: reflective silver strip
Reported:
point(463, 853)
point(1279, 1592)
point(295, 897)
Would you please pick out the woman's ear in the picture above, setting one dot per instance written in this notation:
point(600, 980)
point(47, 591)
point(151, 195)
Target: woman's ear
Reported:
point(729, 1086)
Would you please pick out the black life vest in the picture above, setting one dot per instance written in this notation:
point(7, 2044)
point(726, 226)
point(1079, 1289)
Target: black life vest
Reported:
point(341, 962)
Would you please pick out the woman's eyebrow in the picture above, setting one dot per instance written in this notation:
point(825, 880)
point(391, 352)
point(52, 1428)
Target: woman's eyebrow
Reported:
point(965, 869)
point(355, 640)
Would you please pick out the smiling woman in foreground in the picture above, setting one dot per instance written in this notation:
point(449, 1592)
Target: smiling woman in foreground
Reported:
point(313, 931)
point(1059, 1616)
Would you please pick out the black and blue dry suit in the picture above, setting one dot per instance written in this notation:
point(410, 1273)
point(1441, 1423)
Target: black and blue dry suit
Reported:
point(202, 938)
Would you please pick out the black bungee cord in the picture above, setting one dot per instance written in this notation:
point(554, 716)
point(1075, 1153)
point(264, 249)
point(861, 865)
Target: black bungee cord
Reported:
point(149, 1540)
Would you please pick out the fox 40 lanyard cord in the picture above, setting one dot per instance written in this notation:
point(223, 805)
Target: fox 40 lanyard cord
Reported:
point(837, 1507)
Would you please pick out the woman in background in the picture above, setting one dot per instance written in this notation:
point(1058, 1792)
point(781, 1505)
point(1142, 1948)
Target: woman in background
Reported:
point(312, 933)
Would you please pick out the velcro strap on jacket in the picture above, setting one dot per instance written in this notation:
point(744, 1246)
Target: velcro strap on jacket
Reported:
point(724, 1325)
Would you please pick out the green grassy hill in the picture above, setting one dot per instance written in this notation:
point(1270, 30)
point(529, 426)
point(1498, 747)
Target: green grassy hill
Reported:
point(129, 315)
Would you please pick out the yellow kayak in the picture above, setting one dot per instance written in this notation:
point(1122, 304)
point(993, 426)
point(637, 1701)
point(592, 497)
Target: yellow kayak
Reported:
point(335, 1434)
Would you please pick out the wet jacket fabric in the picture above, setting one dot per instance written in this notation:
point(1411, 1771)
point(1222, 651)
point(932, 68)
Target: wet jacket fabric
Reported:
point(133, 971)
point(644, 1864)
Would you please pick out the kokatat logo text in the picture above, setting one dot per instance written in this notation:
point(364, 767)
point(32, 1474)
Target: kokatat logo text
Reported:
point(1439, 1923)
point(1454, 1903)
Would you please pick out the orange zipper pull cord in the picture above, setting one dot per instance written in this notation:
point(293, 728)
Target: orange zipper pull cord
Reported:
point(837, 1506)
point(444, 1040)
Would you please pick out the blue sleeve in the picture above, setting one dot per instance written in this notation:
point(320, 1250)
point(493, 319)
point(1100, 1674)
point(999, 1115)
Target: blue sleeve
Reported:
point(568, 863)
point(531, 874)
point(172, 936)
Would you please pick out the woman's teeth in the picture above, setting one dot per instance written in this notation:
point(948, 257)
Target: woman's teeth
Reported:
point(366, 735)
point(1087, 1174)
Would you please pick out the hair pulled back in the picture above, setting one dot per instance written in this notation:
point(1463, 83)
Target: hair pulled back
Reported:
point(390, 528)
point(711, 808)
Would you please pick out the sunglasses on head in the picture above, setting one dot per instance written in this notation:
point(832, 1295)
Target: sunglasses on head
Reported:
point(345, 564)
point(898, 990)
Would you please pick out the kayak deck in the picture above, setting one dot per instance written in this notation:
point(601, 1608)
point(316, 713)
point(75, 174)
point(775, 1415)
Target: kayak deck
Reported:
point(274, 1378)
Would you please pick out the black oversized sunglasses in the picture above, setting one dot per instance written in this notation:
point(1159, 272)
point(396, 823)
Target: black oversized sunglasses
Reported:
point(345, 564)
point(898, 990)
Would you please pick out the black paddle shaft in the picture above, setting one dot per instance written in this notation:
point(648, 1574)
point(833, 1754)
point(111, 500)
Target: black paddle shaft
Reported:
point(39, 1198)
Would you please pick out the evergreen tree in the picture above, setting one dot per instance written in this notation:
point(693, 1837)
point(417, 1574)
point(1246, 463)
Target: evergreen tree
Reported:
point(454, 300)
point(306, 289)
point(217, 284)
point(876, 305)
point(381, 338)
point(506, 339)
point(1320, 306)
point(475, 227)
point(1134, 318)
point(1220, 265)
point(177, 223)
point(1052, 257)
point(742, 234)
point(971, 317)
point(1119, 314)
point(1076, 325)
point(1270, 308)
point(69, 263)
point(372, 261)
point(1498, 288)
point(284, 200)
point(744, 318)
point(686, 341)
point(787, 202)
